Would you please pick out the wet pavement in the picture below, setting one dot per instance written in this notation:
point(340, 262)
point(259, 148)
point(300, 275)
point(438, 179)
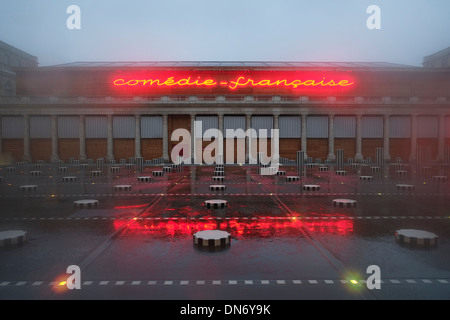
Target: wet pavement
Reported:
point(287, 243)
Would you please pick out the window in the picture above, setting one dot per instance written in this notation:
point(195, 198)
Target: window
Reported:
point(8, 89)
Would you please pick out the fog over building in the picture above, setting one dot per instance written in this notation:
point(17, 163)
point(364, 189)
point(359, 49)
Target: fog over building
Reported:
point(123, 110)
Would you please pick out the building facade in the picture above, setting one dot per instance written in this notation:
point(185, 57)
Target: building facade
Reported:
point(10, 58)
point(123, 110)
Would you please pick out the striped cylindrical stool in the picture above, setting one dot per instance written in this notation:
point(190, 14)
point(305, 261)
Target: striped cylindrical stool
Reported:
point(86, 203)
point(30, 187)
point(311, 187)
point(212, 239)
point(407, 187)
point(310, 165)
point(216, 187)
point(426, 169)
point(12, 238)
point(123, 187)
point(344, 203)
point(440, 178)
point(114, 169)
point(216, 203)
point(416, 238)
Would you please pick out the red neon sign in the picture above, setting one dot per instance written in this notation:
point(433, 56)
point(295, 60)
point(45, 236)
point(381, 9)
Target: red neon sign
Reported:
point(232, 81)
point(240, 82)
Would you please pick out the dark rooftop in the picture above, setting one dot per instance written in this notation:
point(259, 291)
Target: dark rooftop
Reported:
point(231, 64)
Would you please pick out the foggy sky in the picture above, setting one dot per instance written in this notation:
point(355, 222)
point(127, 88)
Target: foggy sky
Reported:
point(225, 30)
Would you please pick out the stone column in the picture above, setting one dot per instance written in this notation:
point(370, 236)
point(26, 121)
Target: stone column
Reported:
point(193, 139)
point(82, 136)
point(54, 157)
point(441, 139)
point(137, 137)
point(1, 142)
point(221, 159)
point(331, 156)
point(413, 154)
point(110, 150)
point(304, 146)
point(358, 155)
point(386, 152)
point(26, 139)
point(275, 147)
point(248, 125)
point(165, 138)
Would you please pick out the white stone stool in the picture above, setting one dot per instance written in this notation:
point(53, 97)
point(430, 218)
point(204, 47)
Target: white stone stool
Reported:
point(212, 238)
point(440, 178)
point(70, 178)
point(408, 187)
point(216, 203)
point(12, 238)
point(311, 187)
point(123, 187)
point(30, 187)
point(401, 172)
point(88, 203)
point(416, 238)
point(215, 187)
point(344, 203)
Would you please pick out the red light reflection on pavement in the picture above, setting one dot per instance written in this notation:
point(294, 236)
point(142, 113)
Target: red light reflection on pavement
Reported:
point(132, 207)
point(239, 228)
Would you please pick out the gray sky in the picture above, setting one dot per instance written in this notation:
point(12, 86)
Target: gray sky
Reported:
point(286, 30)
